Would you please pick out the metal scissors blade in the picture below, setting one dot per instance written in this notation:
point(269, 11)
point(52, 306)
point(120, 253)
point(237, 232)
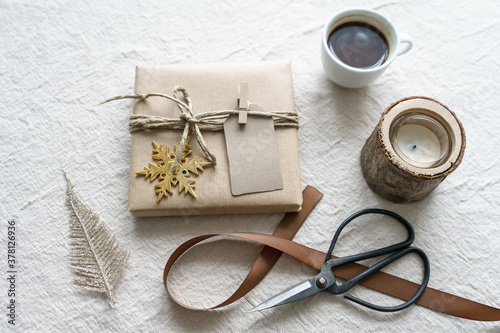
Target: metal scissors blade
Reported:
point(294, 293)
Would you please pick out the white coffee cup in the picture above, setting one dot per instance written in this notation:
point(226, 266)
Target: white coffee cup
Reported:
point(352, 77)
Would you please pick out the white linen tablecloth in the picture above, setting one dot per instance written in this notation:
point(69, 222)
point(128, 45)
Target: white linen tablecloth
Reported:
point(58, 59)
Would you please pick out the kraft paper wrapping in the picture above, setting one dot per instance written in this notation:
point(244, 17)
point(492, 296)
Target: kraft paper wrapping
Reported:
point(213, 87)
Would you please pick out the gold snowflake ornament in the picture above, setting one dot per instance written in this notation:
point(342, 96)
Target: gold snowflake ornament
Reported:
point(163, 170)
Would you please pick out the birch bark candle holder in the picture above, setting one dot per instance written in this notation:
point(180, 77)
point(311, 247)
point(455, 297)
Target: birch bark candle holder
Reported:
point(415, 145)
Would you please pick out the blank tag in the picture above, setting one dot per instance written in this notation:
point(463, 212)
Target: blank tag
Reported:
point(253, 154)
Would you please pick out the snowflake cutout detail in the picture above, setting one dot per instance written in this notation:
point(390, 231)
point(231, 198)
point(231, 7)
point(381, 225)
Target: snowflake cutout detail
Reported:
point(163, 170)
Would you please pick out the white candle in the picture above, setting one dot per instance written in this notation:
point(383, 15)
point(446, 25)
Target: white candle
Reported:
point(420, 140)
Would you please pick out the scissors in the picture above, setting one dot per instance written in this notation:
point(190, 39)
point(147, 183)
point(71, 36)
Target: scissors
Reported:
point(326, 280)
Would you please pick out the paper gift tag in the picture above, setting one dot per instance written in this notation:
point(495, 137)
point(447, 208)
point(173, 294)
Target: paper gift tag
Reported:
point(252, 151)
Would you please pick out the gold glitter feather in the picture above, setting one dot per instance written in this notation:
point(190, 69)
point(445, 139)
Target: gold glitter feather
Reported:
point(95, 254)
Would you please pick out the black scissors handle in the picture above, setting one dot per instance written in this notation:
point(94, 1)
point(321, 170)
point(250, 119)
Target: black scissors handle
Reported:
point(352, 282)
point(378, 252)
point(402, 248)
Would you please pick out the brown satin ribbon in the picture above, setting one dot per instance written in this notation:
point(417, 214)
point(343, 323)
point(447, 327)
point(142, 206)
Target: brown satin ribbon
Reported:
point(385, 283)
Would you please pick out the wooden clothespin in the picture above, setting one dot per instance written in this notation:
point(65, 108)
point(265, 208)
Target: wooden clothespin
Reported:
point(243, 103)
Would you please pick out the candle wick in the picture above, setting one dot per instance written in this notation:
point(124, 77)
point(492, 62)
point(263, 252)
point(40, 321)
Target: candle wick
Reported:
point(414, 146)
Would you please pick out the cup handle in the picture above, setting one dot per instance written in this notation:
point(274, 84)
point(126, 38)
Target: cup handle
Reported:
point(405, 44)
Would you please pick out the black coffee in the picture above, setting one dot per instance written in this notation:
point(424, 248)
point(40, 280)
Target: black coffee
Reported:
point(358, 45)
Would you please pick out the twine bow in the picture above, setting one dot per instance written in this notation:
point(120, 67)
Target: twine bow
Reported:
point(191, 123)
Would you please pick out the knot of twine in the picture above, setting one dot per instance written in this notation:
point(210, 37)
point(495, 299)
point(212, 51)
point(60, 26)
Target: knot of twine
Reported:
point(192, 124)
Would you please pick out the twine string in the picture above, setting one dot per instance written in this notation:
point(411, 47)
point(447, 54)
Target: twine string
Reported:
point(192, 124)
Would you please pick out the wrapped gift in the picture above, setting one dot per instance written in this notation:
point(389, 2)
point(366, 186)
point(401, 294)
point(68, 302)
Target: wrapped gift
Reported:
point(211, 87)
